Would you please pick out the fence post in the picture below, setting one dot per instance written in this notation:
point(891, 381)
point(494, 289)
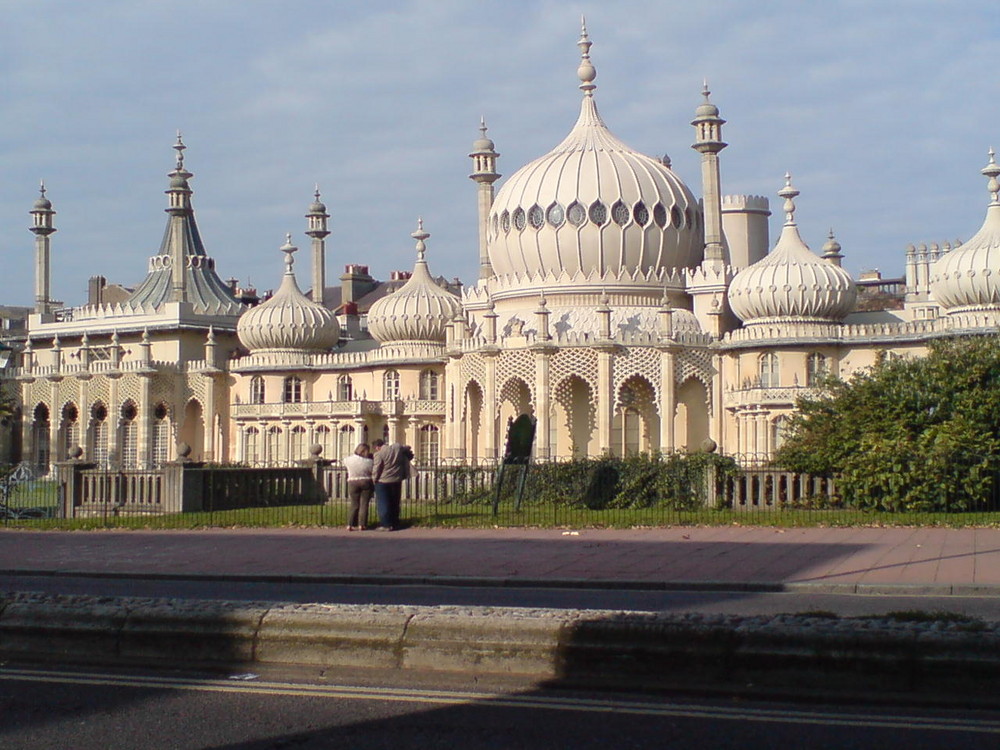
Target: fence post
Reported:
point(70, 478)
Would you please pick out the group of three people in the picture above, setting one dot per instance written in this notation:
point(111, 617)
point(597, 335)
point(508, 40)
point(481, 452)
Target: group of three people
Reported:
point(380, 469)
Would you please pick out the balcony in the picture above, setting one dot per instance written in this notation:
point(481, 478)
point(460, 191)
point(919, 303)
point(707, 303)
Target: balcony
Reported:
point(338, 409)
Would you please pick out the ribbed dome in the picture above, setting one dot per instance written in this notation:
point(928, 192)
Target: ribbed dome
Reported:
point(419, 310)
point(289, 321)
point(968, 278)
point(791, 282)
point(593, 206)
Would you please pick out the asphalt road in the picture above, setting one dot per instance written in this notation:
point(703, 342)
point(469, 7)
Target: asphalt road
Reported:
point(709, 602)
point(104, 710)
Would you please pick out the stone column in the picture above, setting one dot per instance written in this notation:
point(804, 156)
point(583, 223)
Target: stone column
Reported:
point(490, 405)
point(605, 397)
point(543, 447)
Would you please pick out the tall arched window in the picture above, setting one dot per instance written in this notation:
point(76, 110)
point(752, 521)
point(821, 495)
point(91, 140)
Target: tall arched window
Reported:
point(128, 435)
point(779, 431)
point(816, 368)
point(99, 434)
point(160, 436)
point(69, 430)
point(390, 385)
point(272, 447)
point(322, 437)
point(40, 439)
point(297, 447)
point(428, 444)
point(293, 390)
point(347, 441)
point(345, 388)
point(251, 446)
point(429, 385)
point(257, 390)
point(768, 370)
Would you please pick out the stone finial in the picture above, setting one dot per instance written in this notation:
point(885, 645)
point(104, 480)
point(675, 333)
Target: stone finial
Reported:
point(420, 236)
point(289, 250)
point(179, 148)
point(991, 170)
point(586, 72)
point(789, 193)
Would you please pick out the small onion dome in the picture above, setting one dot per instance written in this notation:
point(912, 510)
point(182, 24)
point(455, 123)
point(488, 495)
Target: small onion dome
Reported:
point(482, 143)
point(968, 278)
point(420, 310)
point(289, 320)
point(42, 203)
point(706, 108)
point(317, 206)
point(791, 282)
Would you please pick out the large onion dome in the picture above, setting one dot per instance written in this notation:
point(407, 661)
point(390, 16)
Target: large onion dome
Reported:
point(593, 207)
point(420, 310)
point(289, 321)
point(792, 283)
point(968, 279)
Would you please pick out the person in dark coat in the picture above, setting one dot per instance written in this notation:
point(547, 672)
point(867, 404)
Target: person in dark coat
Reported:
point(390, 468)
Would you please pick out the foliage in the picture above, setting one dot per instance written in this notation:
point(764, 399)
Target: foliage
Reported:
point(908, 434)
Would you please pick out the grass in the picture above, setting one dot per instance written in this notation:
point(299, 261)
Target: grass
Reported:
point(479, 515)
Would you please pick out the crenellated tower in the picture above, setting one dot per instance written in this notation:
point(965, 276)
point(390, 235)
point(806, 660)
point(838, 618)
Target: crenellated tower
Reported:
point(484, 174)
point(42, 228)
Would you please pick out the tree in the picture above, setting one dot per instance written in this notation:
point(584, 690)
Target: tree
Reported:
point(907, 434)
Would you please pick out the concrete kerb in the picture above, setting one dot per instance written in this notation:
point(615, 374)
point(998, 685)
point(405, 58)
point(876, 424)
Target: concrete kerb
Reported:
point(585, 647)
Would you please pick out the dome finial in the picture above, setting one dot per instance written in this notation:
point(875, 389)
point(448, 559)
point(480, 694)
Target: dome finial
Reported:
point(991, 170)
point(179, 147)
point(586, 72)
point(788, 193)
point(420, 235)
point(288, 249)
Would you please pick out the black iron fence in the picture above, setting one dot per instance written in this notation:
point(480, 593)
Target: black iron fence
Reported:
point(636, 491)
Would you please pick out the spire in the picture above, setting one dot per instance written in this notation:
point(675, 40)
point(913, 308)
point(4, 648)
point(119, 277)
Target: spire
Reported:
point(991, 170)
point(420, 235)
point(789, 193)
point(586, 72)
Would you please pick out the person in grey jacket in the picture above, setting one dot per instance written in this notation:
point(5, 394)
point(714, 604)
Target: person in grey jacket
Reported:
point(390, 467)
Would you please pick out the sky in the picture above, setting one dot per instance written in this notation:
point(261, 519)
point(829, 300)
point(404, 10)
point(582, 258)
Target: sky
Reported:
point(883, 112)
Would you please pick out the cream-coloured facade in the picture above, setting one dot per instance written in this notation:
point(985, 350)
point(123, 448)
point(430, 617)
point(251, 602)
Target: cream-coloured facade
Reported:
point(620, 310)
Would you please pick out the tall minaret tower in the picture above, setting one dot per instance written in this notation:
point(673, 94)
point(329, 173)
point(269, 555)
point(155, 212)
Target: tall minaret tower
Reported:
point(317, 230)
point(41, 214)
point(708, 142)
point(484, 173)
point(179, 208)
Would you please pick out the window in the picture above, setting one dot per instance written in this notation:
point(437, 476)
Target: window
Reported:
point(322, 438)
point(815, 368)
point(390, 386)
point(345, 388)
point(660, 215)
point(298, 445)
point(251, 446)
point(598, 213)
point(536, 217)
point(347, 441)
point(70, 429)
point(293, 390)
point(556, 215)
point(160, 435)
point(519, 219)
point(40, 439)
point(779, 431)
point(429, 385)
point(128, 435)
point(429, 444)
point(640, 214)
point(768, 369)
point(576, 214)
point(99, 434)
point(272, 448)
point(620, 213)
point(256, 390)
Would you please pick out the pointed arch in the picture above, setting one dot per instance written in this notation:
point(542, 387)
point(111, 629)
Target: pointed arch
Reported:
point(575, 423)
point(192, 429)
point(691, 421)
point(636, 424)
point(69, 429)
point(40, 446)
point(515, 400)
point(472, 419)
point(128, 434)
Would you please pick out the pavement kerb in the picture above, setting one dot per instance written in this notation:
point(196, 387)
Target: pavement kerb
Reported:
point(579, 647)
point(815, 587)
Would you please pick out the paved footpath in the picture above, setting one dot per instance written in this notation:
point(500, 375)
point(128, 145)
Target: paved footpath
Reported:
point(940, 560)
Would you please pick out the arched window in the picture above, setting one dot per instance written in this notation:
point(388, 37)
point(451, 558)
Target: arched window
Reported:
point(429, 385)
point(272, 446)
point(251, 446)
point(390, 385)
point(297, 448)
point(816, 368)
point(40, 439)
point(69, 429)
point(346, 442)
point(127, 436)
point(322, 437)
point(293, 390)
point(256, 390)
point(345, 388)
point(99, 434)
point(779, 431)
point(428, 444)
point(160, 436)
point(768, 370)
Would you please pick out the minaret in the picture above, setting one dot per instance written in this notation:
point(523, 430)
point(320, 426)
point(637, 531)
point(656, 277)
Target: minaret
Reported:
point(831, 251)
point(179, 207)
point(317, 229)
point(708, 143)
point(41, 214)
point(484, 174)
